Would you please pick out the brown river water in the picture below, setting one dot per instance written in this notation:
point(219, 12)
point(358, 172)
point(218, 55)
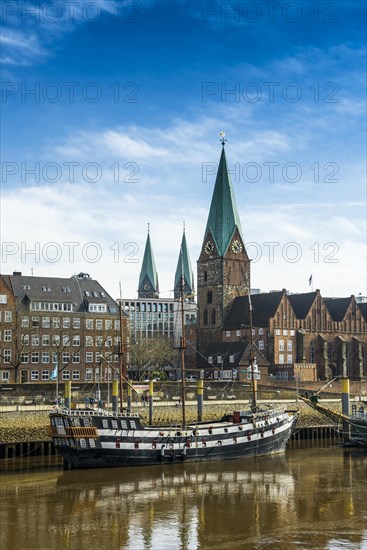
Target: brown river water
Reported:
point(311, 498)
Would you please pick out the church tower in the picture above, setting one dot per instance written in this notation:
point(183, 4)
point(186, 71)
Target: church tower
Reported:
point(184, 271)
point(148, 280)
point(223, 265)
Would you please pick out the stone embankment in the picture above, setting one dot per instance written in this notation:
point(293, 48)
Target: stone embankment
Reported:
point(16, 427)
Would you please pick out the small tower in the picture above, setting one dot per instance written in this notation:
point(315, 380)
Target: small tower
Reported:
point(184, 271)
point(223, 265)
point(148, 280)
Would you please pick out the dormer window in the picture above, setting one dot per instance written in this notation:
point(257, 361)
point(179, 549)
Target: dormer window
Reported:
point(219, 359)
point(86, 294)
point(210, 360)
point(95, 294)
point(66, 289)
point(46, 288)
point(103, 295)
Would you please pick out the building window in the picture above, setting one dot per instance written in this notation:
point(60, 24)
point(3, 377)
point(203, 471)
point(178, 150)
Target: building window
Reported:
point(34, 375)
point(231, 358)
point(205, 275)
point(25, 322)
point(56, 322)
point(289, 359)
point(281, 359)
point(312, 352)
point(213, 317)
point(35, 321)
point(89, 341)
point(5, 376)
point(289, 345)
point(329, 350)
point(35, 357)
point(35, 340)
point(261, 331)
point(7, 355)
point(89, 357)
point(285, 332)
point(46, 340)
point(117, 325)
point(228, 333)
point(76, 375)
point(66, 340)
point(98, 324)
point(291, 332)
point(76, 322)
point(101, 308)
point(205, 318)
point(24, 358)
point(66, 375)
point(45, 357)
point(7, 336)
point(281, 345)
point(46, 322)
point(76, 358)
point(261, 344)
point(65, 357)
point(76, 340)
point(89, 375)
point(8, 316)
point(210, 360)
point(238, 333)
point(209, 297)
point(3, 299)
point(66, 322)
point(277, 332)
point(45, 375)
point(89, 324)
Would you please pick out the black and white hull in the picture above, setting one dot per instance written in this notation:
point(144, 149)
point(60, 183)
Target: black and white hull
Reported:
point(89, 439)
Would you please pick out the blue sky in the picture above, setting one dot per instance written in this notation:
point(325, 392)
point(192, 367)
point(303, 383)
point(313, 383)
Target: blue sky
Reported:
point(122, 128)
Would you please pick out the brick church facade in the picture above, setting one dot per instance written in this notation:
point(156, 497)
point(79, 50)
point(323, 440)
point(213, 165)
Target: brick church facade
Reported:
point(306, 336)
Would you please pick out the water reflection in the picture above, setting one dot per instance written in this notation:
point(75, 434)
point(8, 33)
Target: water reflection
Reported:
point(314, 499)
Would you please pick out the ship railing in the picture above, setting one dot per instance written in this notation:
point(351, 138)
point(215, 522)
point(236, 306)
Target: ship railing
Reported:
point(96, 412)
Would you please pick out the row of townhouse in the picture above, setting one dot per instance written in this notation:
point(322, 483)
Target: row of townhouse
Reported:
point(294, 330)
point(69, 322)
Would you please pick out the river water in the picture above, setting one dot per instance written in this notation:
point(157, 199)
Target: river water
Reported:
point(311, 498)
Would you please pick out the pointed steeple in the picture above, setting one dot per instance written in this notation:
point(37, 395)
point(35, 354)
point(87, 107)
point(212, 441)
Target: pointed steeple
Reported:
point(184, 270)
point(148, 280)
point(223, 216)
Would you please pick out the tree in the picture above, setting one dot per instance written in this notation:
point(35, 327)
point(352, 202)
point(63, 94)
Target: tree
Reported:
point(148, 354)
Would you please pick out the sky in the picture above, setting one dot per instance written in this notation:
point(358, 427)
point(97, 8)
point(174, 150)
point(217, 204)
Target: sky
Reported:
point(111, 114)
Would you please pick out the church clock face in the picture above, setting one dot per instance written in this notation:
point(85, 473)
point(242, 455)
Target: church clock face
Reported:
point(209, 247)
point(146, 286)
point(236, 247)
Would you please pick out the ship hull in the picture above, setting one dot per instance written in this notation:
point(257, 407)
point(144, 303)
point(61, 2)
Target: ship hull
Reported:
point(141, 446)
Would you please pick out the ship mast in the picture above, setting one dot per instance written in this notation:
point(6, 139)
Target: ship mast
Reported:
point(252, 359)
point(182, 345)
point(122, 368)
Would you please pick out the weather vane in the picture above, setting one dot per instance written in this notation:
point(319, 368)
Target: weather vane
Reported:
point(222, 138)
point(148, 224)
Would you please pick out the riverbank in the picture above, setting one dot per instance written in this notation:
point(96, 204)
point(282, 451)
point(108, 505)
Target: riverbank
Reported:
point(33, 425)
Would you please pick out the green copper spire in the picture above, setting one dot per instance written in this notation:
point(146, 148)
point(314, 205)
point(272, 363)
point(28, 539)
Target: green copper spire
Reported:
point(184, 270)
point(148, 280)
point(223, 216)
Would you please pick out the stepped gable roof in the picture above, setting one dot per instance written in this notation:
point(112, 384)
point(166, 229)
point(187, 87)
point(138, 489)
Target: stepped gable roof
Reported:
point(363, 307)
point(148, 269)
point(79, 290)
point(337, 307)
point(184, 268)
point(223, 216)
point(264, 306)
point(301, 303)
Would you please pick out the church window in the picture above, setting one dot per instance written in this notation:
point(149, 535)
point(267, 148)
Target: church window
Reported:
point(209, 297)
point(205, 320)
point(329, 350)
point(213, 317)
point(261, 344)
point(205, 275)
point(312, 352)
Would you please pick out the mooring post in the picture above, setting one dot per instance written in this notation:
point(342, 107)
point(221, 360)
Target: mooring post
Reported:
point(129, 397)
point(151, 391)
point(115, 395)
point(200, 400)
point(67, 393)
point(345, 408)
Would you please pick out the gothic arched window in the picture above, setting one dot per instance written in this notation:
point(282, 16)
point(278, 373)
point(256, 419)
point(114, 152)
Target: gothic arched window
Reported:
point(205, 319)
point(312, 351)
point(213, 317)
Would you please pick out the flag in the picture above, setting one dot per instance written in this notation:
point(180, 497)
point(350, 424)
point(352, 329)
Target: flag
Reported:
point(53, 375)
point(310, 280)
